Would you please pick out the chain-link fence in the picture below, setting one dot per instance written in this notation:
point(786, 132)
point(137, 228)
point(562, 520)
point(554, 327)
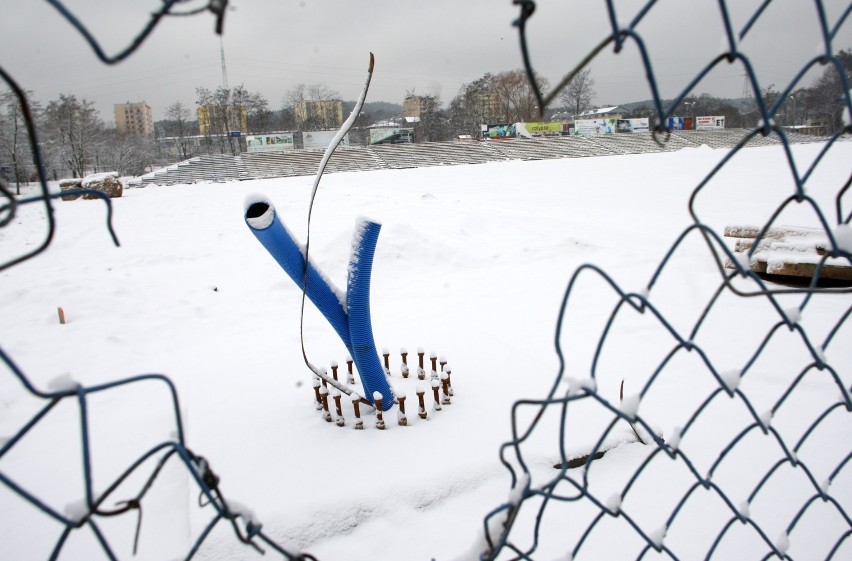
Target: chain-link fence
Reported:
point(736, 458)
point(102, 503)
point(579, 509)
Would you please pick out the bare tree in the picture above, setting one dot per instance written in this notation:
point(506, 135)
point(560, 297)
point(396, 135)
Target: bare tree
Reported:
point(314, 106)
point(475, 105)
point(179, 115)
point(226, 110)
point(126, 154)
point(295, 94)
point(75, 127)
point(432, 125)
point(579, 93)
point(14, 139)
point(515, 96)
point(258, 115)
point(221, 112)
point(321, 92)
point(824, 102)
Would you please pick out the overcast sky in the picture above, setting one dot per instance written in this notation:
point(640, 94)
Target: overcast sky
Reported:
point(425, 46)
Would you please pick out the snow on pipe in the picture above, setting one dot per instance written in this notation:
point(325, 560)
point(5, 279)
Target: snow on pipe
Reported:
point(364, 351)
point(353, 326)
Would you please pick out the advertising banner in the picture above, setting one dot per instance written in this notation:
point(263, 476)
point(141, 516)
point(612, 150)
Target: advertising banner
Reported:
point(538, 129)
point(389, 135)
point(676, 123)
point(707, 123)
point(279, 142)
point(496, 132)
point(632, 125)
point(321, 139)
point(593, 127)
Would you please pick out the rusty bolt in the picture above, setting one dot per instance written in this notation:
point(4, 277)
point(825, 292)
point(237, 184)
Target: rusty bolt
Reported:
point(435, 385)
point(380, 422)
point(421, 392)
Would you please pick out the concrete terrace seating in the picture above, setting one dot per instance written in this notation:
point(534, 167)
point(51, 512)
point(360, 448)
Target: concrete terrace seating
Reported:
point(727, 138)
point(221, 167)
point(215, 167)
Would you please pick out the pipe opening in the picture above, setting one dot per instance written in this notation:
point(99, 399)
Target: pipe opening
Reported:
point(256, 210)
point(260, 215)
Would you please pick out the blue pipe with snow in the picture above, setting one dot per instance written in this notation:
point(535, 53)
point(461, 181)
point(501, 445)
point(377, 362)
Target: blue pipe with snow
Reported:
point(263, 222)
point(349, 314)
point(364, 351)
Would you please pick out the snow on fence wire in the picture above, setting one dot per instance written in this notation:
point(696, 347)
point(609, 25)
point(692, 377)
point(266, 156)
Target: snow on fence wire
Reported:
point(737, 479)
point(92, 510)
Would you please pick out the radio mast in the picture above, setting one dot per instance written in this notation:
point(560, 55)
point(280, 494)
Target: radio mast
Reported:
point(224, 70)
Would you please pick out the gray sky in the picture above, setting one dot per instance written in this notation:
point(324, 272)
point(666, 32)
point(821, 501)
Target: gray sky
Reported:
point(425, 46)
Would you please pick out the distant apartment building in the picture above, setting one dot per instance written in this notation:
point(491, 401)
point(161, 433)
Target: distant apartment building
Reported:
point(413, 106)
point(212, 119)
point(134, 118)
point(318, 114)
point(488, 106)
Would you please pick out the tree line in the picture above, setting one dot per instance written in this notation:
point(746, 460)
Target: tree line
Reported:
point(72, 137)
point(75, 140)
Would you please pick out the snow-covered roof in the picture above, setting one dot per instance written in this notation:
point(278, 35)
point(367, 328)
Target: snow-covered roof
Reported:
point(602, 111)
point(385, 123)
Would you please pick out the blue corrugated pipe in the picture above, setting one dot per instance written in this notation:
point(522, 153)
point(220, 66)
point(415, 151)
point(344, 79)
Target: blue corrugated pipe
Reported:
point(353, 325)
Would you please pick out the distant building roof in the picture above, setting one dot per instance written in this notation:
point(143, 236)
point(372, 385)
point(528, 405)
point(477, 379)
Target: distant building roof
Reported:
point(602, 111)
point(386, 123)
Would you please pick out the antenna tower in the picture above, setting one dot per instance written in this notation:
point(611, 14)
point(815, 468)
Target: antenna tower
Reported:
point(746, 94)
point(224, 69)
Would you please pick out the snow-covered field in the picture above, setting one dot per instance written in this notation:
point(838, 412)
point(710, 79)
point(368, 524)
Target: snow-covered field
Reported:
point(472, 264)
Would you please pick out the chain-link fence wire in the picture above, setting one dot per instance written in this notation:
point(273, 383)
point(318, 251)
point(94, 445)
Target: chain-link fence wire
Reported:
point(696, 492)
point(502, 526)
point(111, 500)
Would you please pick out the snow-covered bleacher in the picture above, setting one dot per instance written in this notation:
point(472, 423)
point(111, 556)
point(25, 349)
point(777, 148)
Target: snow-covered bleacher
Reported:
point(220, 167)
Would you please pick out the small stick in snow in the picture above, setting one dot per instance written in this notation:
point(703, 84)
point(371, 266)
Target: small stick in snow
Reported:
point(449, 372)
point(421, 373)
point(443, 362)
point(621, 400)
point(334, 370)
point(386, 355)
point(403, 420)
point(421, 402)
point(434, 358)
point(359, 424)
point(340, 422)
point(435, 385)
point(61, 313)
point(380, 422)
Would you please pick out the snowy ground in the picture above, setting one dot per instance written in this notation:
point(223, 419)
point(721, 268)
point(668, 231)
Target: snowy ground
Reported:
point(472, 264)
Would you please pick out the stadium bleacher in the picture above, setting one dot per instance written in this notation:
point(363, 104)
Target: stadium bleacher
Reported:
point(222, 167)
